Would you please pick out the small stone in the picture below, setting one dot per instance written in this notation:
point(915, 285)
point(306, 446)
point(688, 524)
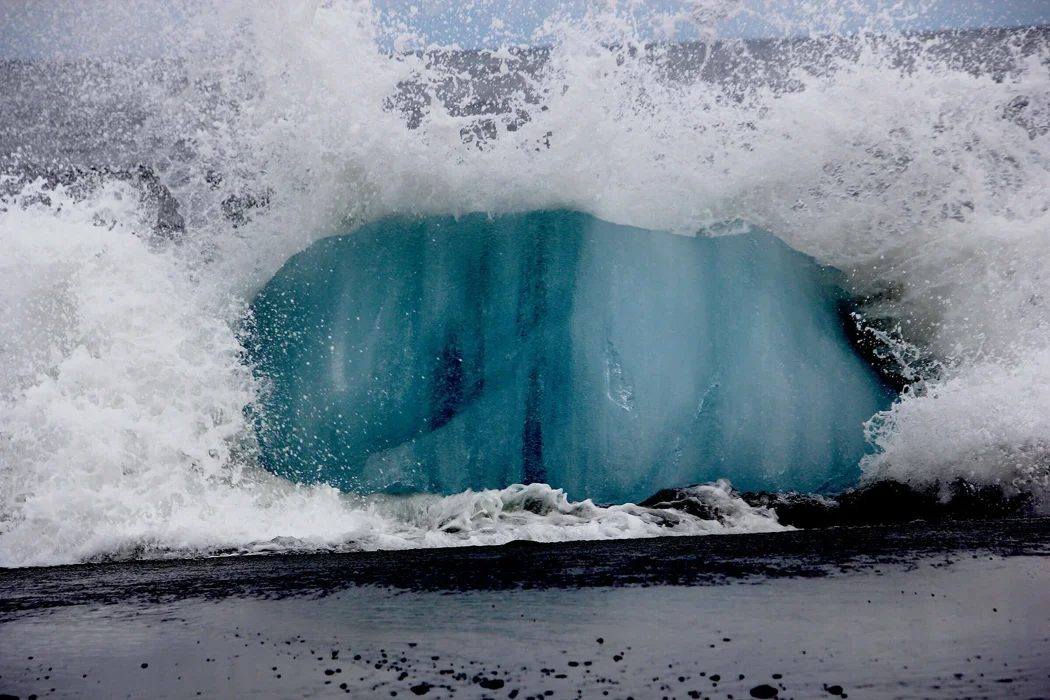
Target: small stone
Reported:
point(764, 692)
point(421, 689)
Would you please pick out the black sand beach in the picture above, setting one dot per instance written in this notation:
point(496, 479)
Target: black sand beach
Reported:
point(960, 610)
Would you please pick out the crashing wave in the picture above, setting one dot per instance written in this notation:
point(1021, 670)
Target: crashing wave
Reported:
point(916, 165)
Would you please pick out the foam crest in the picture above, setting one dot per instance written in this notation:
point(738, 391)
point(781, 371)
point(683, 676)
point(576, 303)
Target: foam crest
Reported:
point(917, 166)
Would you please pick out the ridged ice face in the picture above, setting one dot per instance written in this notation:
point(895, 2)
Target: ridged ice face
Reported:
point(440, 354)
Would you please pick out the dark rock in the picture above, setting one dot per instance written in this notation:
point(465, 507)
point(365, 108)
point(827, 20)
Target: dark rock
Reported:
point(680, 500)
point(797, 509)
point(879, 503)
point(887, 503)
point(491, 683)
point(421, 689)
point(764, 691)
point(967, 501)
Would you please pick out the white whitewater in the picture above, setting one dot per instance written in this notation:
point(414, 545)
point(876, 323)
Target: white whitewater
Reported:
point(122, 383)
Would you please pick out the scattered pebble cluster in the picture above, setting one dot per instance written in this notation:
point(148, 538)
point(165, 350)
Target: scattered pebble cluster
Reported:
point(407, 670)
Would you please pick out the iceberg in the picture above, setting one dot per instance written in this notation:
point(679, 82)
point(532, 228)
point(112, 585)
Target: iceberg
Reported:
point(440, 354)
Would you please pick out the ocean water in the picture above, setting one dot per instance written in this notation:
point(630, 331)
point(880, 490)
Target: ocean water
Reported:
point(148, 199)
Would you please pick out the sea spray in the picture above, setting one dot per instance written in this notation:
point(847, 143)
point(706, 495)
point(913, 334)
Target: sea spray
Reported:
point(917, 165)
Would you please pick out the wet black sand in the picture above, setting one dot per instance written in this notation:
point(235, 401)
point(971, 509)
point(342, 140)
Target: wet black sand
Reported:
point(957, 610)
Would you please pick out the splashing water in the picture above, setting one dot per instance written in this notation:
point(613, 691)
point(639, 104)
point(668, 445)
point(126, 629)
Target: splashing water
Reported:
point(916, 164)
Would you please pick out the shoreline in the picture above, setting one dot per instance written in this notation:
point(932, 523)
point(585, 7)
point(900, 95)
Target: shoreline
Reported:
point(903, 611)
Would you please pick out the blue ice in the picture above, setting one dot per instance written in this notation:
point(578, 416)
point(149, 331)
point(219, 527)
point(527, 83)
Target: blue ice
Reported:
point(440, 354)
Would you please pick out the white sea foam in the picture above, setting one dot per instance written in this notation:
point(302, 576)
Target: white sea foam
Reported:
point(122, 391)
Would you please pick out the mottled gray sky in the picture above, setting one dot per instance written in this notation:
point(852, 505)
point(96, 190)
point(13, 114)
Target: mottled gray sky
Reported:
point(72, 28)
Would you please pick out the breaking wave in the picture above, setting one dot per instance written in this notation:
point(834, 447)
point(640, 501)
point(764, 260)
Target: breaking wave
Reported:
point(915, 164)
